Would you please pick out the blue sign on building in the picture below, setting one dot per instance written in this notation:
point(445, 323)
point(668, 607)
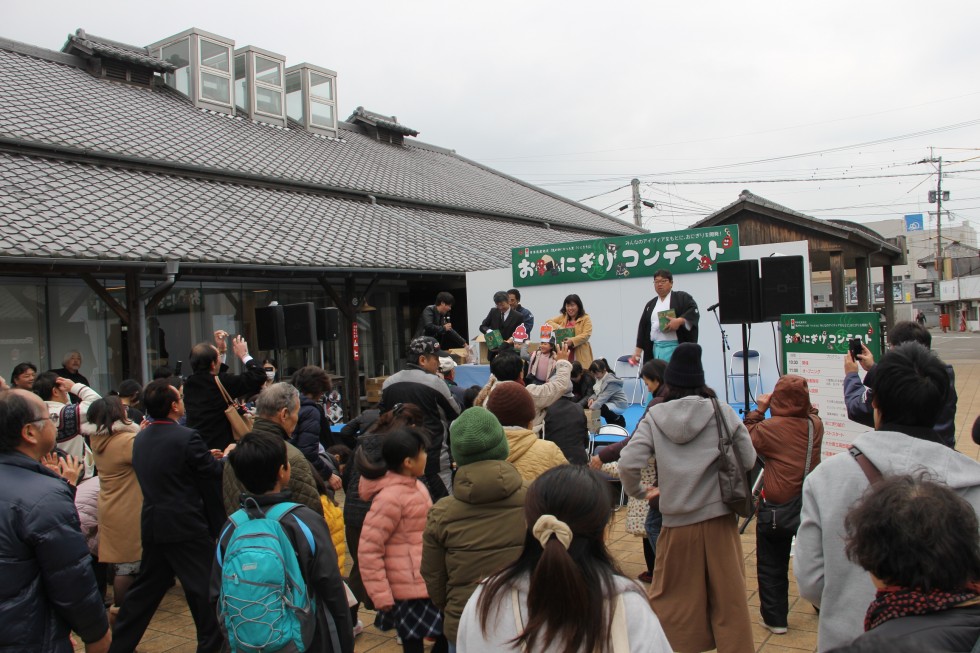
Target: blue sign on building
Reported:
point(914, 222)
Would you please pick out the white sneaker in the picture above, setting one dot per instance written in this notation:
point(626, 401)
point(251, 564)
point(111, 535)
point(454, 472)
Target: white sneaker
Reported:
point(775, 630)
point(358, 628)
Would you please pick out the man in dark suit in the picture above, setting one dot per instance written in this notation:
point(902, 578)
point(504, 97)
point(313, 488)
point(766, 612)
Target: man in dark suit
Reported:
point(170, 462)
point(502, 318)
point(654, 342)
point(205, 403)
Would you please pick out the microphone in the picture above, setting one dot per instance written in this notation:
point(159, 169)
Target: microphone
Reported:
point(713, 307)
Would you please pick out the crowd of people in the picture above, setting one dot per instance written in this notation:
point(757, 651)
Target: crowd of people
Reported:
point(476, 519)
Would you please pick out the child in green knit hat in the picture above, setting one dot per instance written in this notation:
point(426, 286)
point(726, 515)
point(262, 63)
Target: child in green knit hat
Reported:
point(480, 528)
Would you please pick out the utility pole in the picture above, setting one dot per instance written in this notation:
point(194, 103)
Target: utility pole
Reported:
point(637, 207)
point(937, 197)
point(939, 220)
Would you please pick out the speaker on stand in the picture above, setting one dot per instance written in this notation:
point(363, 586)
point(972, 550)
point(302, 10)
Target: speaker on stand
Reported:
point(327, 329)
point(782, 287)
point(738, 303)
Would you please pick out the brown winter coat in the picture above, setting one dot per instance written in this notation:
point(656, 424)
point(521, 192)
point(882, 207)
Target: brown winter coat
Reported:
point(781, 439)
point(390, 550)
point(531, 455)
point(120, 497)
point(472, 534)
point(301, 483)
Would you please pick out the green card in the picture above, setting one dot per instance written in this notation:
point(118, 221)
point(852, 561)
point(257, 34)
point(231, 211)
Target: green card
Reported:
point(494, 339)
point(561, 335)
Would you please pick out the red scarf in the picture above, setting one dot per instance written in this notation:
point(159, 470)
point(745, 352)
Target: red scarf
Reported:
point(894, 602)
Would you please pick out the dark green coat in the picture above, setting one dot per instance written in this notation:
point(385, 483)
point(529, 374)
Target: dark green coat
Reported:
point(301, 482)
point(472, 535)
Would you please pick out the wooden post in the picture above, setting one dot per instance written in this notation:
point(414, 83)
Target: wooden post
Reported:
point(861, 270)
point(837, 281)
point(889, 284)
point(136, 341)
point(350, 372)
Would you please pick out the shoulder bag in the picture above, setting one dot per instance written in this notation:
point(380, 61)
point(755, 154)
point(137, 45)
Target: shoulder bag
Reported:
point(785, 517)
point(240, 424)
point(733, 478)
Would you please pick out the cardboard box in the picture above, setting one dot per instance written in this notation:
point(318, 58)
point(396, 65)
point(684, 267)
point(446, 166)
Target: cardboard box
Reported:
point(459, 355)
point(482, 344)
point(372, 388)
point(594, 420)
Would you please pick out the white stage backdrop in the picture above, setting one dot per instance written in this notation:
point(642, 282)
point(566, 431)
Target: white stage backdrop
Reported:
point(615, 307)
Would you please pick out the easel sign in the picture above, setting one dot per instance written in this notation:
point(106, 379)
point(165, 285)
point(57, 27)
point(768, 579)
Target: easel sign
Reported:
point(814, 346)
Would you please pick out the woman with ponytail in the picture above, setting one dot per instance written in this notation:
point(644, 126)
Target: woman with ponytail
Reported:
point(564, 594)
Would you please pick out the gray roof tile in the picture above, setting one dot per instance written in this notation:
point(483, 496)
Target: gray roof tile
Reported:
point(58, 104)
point(155, 217)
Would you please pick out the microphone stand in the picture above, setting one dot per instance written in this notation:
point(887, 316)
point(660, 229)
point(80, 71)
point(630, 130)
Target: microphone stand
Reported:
point(724, 348)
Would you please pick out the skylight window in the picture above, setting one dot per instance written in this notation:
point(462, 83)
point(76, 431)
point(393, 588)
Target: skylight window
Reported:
point(259, 90)
point(311, 97)
point(203, 63)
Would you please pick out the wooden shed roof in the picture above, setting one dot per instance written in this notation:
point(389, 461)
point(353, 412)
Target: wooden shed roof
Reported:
point(761, 222)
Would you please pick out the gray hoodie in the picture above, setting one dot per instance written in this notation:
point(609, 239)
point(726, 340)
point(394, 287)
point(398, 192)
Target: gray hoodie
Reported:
point(683, 436)
point(826, 578)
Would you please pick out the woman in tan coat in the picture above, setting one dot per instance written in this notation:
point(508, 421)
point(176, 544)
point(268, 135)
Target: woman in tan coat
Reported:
point(120, 498)
point(573, 315)
point(512, 405)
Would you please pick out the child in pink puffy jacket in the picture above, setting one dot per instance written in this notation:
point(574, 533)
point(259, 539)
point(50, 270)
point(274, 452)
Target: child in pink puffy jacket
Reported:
point(390, 551)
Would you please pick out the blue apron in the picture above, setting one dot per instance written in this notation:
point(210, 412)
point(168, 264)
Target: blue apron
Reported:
point(664, 349)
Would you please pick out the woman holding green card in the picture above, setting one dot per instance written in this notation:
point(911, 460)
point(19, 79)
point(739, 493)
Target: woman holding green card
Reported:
point(574, 327)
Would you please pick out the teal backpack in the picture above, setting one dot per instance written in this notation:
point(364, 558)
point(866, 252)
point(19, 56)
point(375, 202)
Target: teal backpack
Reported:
point(264, 605)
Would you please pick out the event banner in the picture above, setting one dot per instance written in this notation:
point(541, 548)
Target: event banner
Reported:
point(814, 347)
point(681, 252)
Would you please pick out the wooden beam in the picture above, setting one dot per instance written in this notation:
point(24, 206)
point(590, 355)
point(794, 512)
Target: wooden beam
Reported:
point(350, 372)
point(837, 281)
point(104, 295)
point(136, 329)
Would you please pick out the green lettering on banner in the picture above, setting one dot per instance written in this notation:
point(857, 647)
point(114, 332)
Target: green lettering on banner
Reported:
point(605, 259)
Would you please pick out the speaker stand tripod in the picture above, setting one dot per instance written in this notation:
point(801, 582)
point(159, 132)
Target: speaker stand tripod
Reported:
point(745, 366)
point(724, 348)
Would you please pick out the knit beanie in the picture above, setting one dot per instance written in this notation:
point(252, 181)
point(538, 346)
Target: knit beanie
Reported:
point(684, 369)
point(477, 435)
point(511, 403)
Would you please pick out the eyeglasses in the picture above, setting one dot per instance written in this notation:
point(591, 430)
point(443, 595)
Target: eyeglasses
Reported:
point(47, 418)
point(662, 281)
point(269, 369)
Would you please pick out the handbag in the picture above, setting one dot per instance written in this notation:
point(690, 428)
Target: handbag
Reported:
point(733, 478)
point(240, 424)
point(785, 517)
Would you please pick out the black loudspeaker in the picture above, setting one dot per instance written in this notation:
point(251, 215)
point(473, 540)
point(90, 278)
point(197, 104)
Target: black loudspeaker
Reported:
point(300, 325)
point(327, 324)
point(270, 326)
point(782, 287)
point(738, 292)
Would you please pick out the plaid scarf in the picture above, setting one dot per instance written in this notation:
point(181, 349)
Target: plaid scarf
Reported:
point(895, 602)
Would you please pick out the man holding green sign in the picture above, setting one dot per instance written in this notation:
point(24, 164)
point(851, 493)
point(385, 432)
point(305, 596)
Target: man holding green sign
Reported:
point(667, 320)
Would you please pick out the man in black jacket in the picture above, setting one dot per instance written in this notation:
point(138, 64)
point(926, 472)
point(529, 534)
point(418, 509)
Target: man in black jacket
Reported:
point(502, 318)
point(435, 323)
point(654, 342)
point(48, 586)
point(205, 403)
point(418, 384)
point(174, 469)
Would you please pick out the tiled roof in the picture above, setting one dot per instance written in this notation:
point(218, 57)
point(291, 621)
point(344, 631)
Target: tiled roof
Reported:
point(60, 209)
point(57, 104)
point(378, 120)
point(91, 44)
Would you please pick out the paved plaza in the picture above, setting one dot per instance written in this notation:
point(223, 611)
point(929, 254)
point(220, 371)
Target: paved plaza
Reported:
point(172, 629)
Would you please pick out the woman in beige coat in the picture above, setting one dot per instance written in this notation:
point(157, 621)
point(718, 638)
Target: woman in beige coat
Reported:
point(573, 315)
point(512, 405)
point(120, 499)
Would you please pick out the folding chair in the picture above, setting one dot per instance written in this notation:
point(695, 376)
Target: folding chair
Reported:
point(736, 375)
point(624, 370)
point(607, 435)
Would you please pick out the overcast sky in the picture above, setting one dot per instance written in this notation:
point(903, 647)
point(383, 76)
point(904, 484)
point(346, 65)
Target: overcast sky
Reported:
point(579, 97)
